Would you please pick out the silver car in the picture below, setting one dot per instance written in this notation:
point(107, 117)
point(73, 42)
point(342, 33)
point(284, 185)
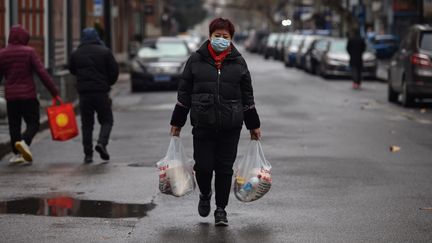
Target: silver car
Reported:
point(335, 61)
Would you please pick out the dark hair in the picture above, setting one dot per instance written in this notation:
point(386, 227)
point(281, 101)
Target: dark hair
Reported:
point(220, 23)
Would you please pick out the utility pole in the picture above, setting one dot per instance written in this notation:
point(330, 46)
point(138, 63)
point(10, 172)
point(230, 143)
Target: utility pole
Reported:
point(69, 37)
point(107, 22)
point(421, 11)
point(144, 20)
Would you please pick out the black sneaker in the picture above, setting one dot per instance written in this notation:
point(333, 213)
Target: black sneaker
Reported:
point(101, 149)
point(220, 217)
point(204, 205)
point(88, 159)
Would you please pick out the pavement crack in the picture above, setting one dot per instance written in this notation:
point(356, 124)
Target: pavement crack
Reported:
point(132, 228)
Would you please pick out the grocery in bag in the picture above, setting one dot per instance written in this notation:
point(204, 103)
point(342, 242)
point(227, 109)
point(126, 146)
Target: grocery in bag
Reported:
point(252, 174)
point(176, 170)
point(62, 121)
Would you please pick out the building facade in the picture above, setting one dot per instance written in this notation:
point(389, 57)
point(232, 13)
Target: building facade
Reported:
point(55, 25)
point(55, 28)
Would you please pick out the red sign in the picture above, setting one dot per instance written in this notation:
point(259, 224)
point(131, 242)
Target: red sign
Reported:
point(405, 5)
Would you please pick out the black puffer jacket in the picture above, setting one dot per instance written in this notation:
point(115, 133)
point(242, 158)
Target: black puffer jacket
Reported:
point(355, 48)
point(94, 65)
point(218, 99)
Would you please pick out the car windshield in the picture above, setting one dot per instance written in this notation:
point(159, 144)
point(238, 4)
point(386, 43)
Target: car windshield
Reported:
point(307, 42)
point(296, 41)
point(272, 39)
point(338, 46)
point(163, 49)
point(426, 41)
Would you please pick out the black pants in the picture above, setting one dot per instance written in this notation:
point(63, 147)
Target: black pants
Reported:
point(18, 110)
point(357, 74)
point(98, 103)
point(215, 151)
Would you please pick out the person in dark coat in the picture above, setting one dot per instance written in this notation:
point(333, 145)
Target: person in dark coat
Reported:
point(356, 47)
point(96, 71)
point(216, 88)
point(18, 63)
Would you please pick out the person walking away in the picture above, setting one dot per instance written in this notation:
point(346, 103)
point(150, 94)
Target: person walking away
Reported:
point(96, 70)
point(216, 87)
point(356, 47)
point(18, 63)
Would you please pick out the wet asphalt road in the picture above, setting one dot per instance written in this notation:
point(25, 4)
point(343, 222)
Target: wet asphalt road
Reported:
point(334, 178)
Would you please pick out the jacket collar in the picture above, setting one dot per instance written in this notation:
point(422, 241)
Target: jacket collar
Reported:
point(203, 51)
point(90, 43)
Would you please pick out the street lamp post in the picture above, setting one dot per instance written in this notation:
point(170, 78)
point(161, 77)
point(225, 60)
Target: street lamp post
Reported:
point(107, 22)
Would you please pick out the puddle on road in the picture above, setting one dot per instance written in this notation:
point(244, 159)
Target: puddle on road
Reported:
point(70, 207)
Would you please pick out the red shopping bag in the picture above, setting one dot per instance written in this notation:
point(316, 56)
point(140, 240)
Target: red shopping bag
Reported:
point(62, 121)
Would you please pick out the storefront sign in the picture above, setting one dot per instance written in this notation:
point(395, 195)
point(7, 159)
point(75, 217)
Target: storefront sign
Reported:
point(98, 8)
point(427, 8)
point(405, 5)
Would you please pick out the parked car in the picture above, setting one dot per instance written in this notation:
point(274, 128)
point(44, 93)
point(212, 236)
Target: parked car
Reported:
point(159, 62)
point(285, 45)
point(291, 49)
point(385, 46)
point(193, 41)
point(303, 48)
point(410, 72)
point(254, 42)
point(315, 53)
point(270, 47)
point(279, 53)
point(335, 61)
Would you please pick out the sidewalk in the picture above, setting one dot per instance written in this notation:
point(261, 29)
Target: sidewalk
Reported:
point(5, 147)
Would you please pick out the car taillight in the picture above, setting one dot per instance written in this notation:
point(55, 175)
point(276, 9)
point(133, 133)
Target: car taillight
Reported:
point(422, 60)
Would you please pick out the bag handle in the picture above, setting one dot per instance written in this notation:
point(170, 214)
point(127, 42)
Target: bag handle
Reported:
point(55, 99)
point(265, 162)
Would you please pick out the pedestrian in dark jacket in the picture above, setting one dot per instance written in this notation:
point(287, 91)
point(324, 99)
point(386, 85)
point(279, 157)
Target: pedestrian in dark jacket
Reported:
point(18, 63)
point(216, 87)
point(96, 70)
point(356, 47)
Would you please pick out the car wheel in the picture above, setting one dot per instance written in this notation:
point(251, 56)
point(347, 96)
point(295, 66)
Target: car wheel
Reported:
point(392, 96)
point(322, 72)
point(136, 88)
point(315, 68)
point(286, 62)
point(407, 99)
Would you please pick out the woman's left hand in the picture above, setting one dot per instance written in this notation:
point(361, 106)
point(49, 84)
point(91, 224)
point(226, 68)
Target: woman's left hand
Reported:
point(255, 134)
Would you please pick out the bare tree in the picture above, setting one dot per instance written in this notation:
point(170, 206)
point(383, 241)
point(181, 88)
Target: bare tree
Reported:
point(266, 8)
point(346, 15)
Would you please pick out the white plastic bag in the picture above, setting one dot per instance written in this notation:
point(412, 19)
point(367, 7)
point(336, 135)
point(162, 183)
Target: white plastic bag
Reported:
point(176, 170)
point(252, 174)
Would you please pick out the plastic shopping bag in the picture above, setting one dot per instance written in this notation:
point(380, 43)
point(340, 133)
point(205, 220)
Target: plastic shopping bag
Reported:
point(62, 121)
point(176, 170)
point(252, 174)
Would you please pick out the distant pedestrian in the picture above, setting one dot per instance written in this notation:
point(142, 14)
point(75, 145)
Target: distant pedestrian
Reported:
point(216, 87)
point(96, 70)
point(18, 63)
point(356, 47)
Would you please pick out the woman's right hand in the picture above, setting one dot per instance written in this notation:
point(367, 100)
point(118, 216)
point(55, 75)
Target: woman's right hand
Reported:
point(175, 131)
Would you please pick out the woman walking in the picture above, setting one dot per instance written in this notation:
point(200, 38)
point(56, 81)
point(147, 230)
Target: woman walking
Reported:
point(216, 88)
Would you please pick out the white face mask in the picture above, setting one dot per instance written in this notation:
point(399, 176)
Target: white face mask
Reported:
point(220, 44)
